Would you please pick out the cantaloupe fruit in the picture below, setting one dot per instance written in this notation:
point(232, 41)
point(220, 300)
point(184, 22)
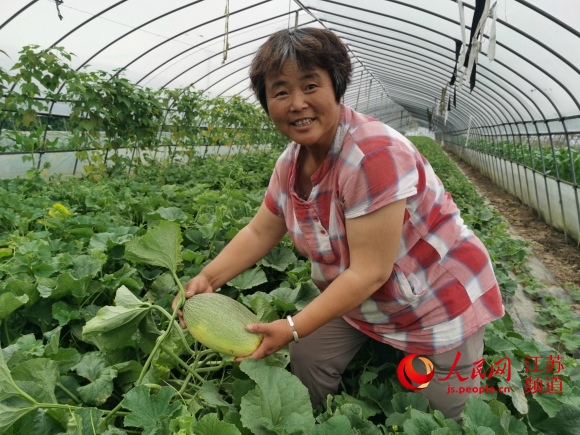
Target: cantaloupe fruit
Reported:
point(219, 323)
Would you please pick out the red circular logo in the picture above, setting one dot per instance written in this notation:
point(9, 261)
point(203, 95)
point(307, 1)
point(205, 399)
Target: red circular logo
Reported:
point(409, 377)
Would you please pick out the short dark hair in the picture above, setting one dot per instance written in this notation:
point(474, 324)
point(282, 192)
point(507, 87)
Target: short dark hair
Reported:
point(308, 47)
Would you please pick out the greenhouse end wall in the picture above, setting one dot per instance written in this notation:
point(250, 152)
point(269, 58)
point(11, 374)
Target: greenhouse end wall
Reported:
point(555, 201)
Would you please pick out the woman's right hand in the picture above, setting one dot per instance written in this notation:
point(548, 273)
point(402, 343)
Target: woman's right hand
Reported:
point(197, 284)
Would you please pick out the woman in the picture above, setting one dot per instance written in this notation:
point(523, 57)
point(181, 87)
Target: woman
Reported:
point(389, 251)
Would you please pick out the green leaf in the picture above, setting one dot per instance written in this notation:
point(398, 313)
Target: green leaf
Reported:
point(172, 214)
point(86, 266)
point(403, 399)
point(248, 279)
point(65, 358)
point(127, 276)
point(335, 425)
point(210, 395)
point(125, 298)
point(448, 423)
point(298, 297)
point(151, 412)
point(512, 425)
point(498, 344)
point(94, 368)
point(397, 418)
point(117, 324)
point(64, 313)
point(164, 283)
point(9, 415)
point(550, 403)
point(84, 421)
point(478, 413)
point(368, 409)
point(367, 377)
point(10, 303)
point(7, 386)
point(116, 236)
point(210, 424)
point(497, 408)
point(380, 394)
point(41, 421)
point(181, 425)
point(20, 287)
point(570, 340)
point(263, 309)
point(306, 292)
point(197, 238)
point(66, 284)
point(25, 347)
point(279, 259)
point(53, 341)
point(486, 215)
point(515, 390)
point(37, 377)
point(160, 246)
point(280, 402)
point(566, 422)
point(420, 423)
point(282, 299)
point(359, 424)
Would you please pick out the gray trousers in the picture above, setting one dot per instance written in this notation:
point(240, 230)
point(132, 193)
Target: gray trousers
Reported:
point(320, 359)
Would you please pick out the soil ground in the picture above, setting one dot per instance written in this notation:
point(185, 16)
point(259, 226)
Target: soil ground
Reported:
point(560, 258)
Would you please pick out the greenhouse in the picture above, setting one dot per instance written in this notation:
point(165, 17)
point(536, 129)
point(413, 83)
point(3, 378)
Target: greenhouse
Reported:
point(155, 153)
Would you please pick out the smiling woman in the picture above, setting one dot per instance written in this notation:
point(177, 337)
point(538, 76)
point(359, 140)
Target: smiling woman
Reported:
point(302, 106)
point(299, 78)
point(389, 252)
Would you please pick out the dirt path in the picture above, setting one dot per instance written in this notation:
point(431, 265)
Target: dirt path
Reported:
point(561, 259)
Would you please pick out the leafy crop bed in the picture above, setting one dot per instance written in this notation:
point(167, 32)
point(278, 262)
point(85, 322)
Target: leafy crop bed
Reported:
point(88, 270)
point(556, 161)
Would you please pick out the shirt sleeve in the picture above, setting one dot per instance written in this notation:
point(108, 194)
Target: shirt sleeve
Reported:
point(384, 175)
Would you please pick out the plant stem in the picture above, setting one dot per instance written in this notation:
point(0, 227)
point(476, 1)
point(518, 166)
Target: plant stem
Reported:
point(211, 369)
point(185, 383)
point(6, 333)
point(56, 406)
point(69, 393)
point(179, 330)
point(158, 343)
point(162, 337)
point(182, 364)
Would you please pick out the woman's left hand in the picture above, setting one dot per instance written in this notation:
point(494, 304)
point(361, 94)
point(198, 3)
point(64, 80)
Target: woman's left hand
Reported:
point(277, 334)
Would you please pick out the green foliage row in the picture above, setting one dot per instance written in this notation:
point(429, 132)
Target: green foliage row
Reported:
point(89, 345)
point(108, 112)
point(560, 162)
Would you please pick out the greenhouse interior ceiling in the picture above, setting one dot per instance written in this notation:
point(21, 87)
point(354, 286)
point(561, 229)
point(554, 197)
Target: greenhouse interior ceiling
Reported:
point(512, 65)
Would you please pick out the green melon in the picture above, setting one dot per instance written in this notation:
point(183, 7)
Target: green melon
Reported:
point(219, 323)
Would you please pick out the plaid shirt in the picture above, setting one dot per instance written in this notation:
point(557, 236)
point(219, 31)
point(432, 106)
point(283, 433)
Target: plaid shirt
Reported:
point(442, 288)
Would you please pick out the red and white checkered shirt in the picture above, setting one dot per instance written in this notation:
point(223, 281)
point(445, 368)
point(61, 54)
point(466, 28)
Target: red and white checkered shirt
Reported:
point(442, 288)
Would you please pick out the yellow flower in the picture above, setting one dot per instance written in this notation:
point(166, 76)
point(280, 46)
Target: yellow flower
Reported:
point(60, 211)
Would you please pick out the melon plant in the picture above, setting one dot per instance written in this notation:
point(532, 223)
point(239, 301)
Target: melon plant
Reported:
point(219, 323)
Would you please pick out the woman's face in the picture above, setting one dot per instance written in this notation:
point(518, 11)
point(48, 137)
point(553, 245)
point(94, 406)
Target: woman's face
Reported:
point(303, 107)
